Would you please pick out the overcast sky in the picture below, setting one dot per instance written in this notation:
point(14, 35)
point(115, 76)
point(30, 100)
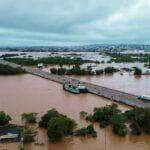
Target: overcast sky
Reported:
point(73, 22)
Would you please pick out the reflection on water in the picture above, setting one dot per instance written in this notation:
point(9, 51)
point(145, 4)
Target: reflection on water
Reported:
point(27, 93)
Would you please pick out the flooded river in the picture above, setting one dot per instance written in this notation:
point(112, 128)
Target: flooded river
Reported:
point(126, 82)
point(27, 93)
point(139, 85)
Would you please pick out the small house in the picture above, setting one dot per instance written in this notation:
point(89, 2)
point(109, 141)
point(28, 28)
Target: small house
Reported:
point(40, 65)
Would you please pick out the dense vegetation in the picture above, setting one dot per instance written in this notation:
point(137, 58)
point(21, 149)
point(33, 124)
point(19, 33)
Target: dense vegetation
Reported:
point(29, 117)
point(4, 118)
point(52, 113)
point(118, 124)
point(110, 115)
point(58, 126)
point(8, 70)
point(46, 60)
point(76, 70)
point(140, 119)
point(104, 114)
point(119, 57)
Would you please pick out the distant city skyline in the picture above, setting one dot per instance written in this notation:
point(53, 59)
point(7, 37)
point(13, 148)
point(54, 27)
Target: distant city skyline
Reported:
point(74, 22)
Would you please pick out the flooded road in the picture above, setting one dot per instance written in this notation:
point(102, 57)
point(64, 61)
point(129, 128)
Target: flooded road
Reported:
point(126, 82)
point(138, 85)
point(27, 93)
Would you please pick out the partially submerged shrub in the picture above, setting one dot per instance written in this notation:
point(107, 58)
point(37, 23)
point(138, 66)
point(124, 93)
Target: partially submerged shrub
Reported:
point(29, 117)
point(89, 118)
point(54, 70)
point(83, 114)
point(99, 72)
point(110, 70)
point(89, 130)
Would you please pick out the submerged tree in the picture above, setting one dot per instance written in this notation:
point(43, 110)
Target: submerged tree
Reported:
point(104, 114)
point(29, 117)
point(4, 118)
point(59, 127)
point(89, 130)
point(52, 113)
point(137, 71)
point(140, 117)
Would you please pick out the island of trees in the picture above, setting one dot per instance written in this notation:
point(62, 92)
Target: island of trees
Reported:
point(137, 118)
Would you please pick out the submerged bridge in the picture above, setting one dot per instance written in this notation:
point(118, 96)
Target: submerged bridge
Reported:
point(114, 95)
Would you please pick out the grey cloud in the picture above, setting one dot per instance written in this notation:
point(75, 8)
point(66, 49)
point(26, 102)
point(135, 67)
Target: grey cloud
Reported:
point(80, 21)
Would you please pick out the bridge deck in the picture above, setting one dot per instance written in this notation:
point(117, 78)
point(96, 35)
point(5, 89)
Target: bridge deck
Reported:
point(114, 95)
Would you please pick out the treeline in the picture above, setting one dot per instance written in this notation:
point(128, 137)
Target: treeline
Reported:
point(46, 60)
point(119, 57)
point(8, 70)
point(77, 70)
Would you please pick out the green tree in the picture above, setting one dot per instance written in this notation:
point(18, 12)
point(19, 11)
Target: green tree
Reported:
point(120, 129)
point(140, 117)
point(104, 114)
point(137, 71)
point(4, 118)
point(52, 113)
point(59, 127)
point(89, 130)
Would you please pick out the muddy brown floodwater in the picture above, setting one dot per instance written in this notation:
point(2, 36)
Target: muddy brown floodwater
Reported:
point(27, 93)
point(139, 85)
